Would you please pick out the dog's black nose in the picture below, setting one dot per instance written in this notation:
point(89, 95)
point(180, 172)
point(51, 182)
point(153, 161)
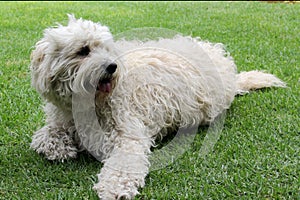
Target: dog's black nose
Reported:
point(111, 68)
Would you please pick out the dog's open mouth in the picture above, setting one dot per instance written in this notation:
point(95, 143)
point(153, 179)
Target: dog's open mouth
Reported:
point(105, 85)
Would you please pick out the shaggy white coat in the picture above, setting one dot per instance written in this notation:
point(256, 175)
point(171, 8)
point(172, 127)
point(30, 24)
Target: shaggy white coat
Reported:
point(158, 85)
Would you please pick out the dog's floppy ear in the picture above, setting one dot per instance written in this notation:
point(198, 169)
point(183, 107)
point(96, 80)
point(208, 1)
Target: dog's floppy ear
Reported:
point(39, 68)
point(37, 55)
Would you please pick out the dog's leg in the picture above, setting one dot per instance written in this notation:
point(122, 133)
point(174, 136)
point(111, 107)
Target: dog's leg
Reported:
point(125, 170)
point(56, 139)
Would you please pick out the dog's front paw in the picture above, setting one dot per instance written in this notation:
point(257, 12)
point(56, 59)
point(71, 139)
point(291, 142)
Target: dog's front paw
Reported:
point(115, 187)
point(54, 145)
point(121, 176)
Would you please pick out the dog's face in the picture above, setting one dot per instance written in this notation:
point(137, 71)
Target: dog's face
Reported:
point(78, 57)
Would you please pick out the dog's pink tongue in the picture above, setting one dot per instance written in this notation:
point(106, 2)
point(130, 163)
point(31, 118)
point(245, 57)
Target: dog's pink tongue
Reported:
point(105, 87)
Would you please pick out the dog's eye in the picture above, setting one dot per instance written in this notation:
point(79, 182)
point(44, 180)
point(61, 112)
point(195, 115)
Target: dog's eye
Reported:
point(84, 51)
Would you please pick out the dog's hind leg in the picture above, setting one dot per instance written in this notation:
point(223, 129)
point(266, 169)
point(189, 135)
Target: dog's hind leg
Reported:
point(56, 139)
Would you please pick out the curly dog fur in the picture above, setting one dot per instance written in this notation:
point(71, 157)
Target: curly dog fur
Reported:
point(141, 89)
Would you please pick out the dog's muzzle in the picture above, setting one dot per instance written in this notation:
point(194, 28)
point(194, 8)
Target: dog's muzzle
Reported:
point(105, 82)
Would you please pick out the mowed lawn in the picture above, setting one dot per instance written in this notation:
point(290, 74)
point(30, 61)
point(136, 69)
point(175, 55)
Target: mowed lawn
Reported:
point(258, 153)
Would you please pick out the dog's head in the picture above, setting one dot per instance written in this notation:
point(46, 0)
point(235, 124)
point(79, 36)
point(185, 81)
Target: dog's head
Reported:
point(79, 57)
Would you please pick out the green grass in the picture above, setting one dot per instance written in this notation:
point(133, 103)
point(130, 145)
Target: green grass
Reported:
point(257, 156)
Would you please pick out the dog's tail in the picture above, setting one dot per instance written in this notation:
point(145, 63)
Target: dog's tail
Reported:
point(253, 80)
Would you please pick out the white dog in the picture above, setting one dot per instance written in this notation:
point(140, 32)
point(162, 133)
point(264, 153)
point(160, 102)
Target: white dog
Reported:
point(140, 90)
